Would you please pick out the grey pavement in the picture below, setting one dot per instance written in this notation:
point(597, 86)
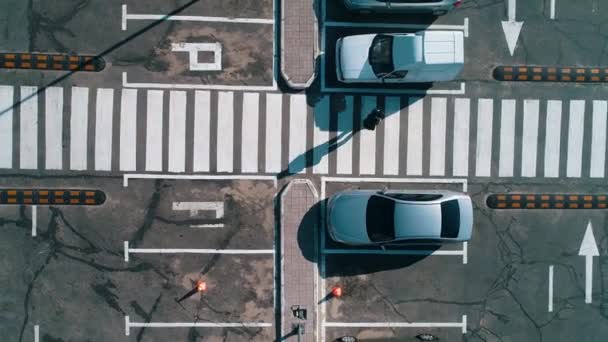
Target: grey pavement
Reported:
point(299, 41)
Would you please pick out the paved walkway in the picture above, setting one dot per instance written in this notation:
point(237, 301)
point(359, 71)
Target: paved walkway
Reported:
point(299, 43)
point(299, 218)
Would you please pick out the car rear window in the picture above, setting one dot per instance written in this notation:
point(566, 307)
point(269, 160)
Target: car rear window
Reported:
point(381, 55)
point(450, 219)
point(380, 219)
point(416, 197)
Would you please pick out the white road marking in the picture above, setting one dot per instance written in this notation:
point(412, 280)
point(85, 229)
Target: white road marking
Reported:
point(195, 207)
point(462, 325)
point(249, 141)
point(297, 133)
point(193, 50)
point(202, 131)
point(128, 130)
point(177, 131)
point(103, 129)
point(462, 114)
point(391, 135)
point(552, 138)
point(529, 143)
point(129, 325)
point(194, 251)
point(29, 128)
point(34, 219)
point(324, 89)
point(550, 288)
point(53, 128)
point(438, 130)
point(127, 176)
point(588, 249)
point(598, 139)
point(367, 142)
point(207, 225)
point(576, 130)
point(274, 108)
point(225, 131)
point(507, 139)
point(320, 136)
point(198, 86)
point(483, 153)
point(154, 131)
point(6, 127)
point(344, 154)
point(79, 128)
point(414, 137)
point(552, 14)
point(36, 333)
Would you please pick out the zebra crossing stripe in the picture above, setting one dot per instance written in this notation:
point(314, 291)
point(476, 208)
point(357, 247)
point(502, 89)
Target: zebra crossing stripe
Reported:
point(103, 129)
point(483, 154)
point(507, 139)
point(79, 121)
point(462, 115)
point(367, 146)
point(274, 111)
point(53, 128)
point(438, 130)
point(28, 146)
point(529, 143)
point(6, 127)
point(297, 133)
point(128, 130)
point(575, 138)
point(598, 139)
point(344, 154)
point(225, 131)
point(177, 131)
point(154, 131)
point(552, 138)
point(321, 136)
point(414, 137)
point(249, 136)
point(202, 131)
point(391, 135)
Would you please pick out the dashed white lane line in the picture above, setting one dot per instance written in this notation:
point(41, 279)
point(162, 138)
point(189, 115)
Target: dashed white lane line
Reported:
point(552, 14)
point(462, 325)
point(551, 288)
point(36, 333)
point(129, 325)
point(34, 219)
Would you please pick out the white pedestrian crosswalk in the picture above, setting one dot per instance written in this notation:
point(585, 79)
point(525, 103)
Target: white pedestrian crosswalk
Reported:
point(128, 130)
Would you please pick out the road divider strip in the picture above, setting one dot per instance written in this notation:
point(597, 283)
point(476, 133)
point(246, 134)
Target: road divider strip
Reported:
point(547, 201)
point(57, 62)
point(550, 74)
point(52, 197)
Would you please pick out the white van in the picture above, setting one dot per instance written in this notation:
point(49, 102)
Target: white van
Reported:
point(426, 56)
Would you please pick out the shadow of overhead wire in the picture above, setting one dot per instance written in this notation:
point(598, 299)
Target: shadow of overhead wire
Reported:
point(103, 53)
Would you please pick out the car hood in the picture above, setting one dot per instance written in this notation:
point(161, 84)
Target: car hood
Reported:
point(347, 218)
point(417, 221)
point(354, 61)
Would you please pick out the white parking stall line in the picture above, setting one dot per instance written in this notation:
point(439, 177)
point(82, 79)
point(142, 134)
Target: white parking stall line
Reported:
point(438, 130)
point(79, 122)
point(154, 131)
point(462, 115)
point(128, 130)
point(552, 138)
point(529, 143)
point(483, 152)
point(576, 128)
point(202, 131)
point(36, 333)
point(29, 128)
point(550, 306)
point(391, 135)
point(129, 325)
point(128, 250)
point(367, 147)
point(34, 220)
point(249, 141)
point(507, 139)
point(177, 131)
point(274, 109)
point(198, 86)
point(598, 139)
point(53, 97)
point(414, 137)
point(103, 129)
point(127, 176)
point(344, 154)
point(6, 127)
point(297, 133)
point(462, 325)
point(320, 136)
point(225, 131)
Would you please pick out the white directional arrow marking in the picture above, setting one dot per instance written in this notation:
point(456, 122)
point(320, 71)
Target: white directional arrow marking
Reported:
point(511, 27)
point(589, 250)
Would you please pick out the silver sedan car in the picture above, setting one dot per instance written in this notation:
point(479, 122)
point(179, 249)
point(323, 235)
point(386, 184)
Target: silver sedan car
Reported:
point(371, 217)
point(436, 7)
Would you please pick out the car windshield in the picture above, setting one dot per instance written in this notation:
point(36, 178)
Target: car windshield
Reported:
point(381, 55)
point(450, 219)
point(380, 219)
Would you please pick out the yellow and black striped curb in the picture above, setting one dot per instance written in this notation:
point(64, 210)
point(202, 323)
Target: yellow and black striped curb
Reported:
point(547, 201)
point(43, 61)
point(52, 196)
point(550, 74)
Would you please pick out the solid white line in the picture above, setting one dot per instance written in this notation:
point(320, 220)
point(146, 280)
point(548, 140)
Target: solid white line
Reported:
point(128, 130)
point(395, 26)
point(414, 136)
point(36, 333)
point(225, 131)
point(462, 325)
point(126, 177)
point(320, 135)
point(462, 114)
point(198, 251)
point(391, 135)
point(552, 138)
point(507, 139)
point(274, 109)
point(576, 130)
point(126, 250)
point(177, 131)
point(249, 141)
point(588, 278)
point(53, 128)
point(465, 252)
point(34, 219)
point(177, 86)
point(103, 129)
point(529, 144)
point(199, 19)
point(344, 154)
point(208, 225)
point(123, 21)
point(460, 91)
point(202, 131)
point(483, 153)
point(367, 153)
point(552, 15)
point(79, 128)
point(511, 10)
point(551, 288)
point(297, 133)
point(598, 139)
point(438, 129)
point(154, 132)
point(6, 127)
point(29, 128)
